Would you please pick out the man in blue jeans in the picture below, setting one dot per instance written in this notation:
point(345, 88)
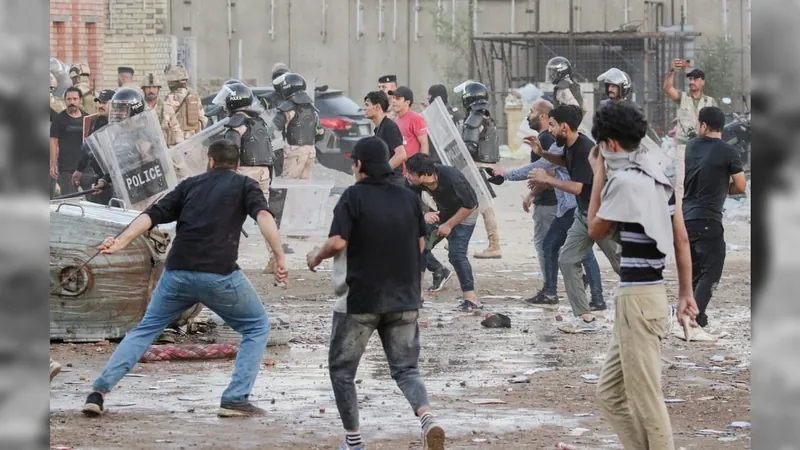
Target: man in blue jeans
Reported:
point(458, 206)
point(201, 267)
point(376, 239)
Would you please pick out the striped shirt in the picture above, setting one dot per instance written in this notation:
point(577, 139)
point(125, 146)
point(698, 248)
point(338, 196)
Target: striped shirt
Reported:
point(642, 263)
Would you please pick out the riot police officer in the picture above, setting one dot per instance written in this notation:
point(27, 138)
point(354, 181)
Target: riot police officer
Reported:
point(479, 133)
point(126, 102)
point(56, 104)
point(298, 120)
point(80, 74)
point(565, 90)
point(616, 84)
point(251, 134)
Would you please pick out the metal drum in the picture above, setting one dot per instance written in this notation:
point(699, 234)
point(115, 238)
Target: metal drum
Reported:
point(108, 297)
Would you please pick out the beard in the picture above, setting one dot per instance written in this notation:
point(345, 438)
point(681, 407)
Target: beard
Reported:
point(534, 123)
point(150, 97)
point(561, 140)
point(71, 108)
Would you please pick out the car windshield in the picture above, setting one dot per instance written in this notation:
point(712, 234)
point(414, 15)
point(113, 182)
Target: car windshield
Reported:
point(337, 105)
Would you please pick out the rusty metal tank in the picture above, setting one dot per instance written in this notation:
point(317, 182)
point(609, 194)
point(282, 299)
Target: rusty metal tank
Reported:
point(109, 296)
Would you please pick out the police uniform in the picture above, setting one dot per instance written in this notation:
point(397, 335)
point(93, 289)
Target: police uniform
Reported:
point(298, 120)
point(252, 135)
point(479, 133)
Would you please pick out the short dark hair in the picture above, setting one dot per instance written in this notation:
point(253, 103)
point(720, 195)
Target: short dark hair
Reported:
point(570, 114)
point(74, 89)
point(621, 122)
point(713, 117)
point(420, 164)
point(225, 153)
point(378, 98)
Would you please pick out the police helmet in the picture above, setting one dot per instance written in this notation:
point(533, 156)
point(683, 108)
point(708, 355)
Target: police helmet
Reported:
point(126, 102)
point(289, 83)
point(557, 69)
point(617, 78)
point(239, 96)
point(474, 95)
point(279, 69)
point(233, 81)
point(53, 82)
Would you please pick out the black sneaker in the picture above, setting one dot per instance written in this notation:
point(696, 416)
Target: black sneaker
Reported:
point(468, 306)
point(601, 306)
point(439, 279)
point(94, 405)
point(243, 410)
point(543, 300)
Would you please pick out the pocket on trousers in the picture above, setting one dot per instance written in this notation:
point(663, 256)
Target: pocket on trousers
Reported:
point(655, 310)
point(224, 292)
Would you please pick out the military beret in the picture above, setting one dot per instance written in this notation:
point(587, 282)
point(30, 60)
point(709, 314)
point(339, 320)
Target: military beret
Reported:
point(122, 70)
point(388, 79)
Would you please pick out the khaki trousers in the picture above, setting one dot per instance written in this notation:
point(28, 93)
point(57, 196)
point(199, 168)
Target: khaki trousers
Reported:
point(680, 172)
point(260, 174)
point(298, 161)
point(629, 390)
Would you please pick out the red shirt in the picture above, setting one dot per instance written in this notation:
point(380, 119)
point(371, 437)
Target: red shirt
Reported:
point(411, 125)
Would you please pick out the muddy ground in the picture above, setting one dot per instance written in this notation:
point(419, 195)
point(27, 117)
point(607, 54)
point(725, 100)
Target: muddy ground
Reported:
point(173, 405)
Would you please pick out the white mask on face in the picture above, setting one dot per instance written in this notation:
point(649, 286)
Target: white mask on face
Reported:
point(614, 160)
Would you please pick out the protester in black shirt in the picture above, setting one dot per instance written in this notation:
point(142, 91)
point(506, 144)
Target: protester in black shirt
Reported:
point(376, 103)
point(66, 137)
point(564, 122)
point(201, 267)
point(458, 205)
point(377, 238)
point(710, 164)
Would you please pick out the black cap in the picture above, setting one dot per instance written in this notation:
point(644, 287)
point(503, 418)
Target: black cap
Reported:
point(696, 73)
point(105, 95)
point(373, 153)
point(388, 79)
point(438, 90)
point(121, 70)
point(404, 92)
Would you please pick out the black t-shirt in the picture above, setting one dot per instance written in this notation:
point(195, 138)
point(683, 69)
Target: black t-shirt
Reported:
point(69, 132)
point(548, 196)
point(710, 162)
point(580, 171)
point(452, 192)
point(390, 133)
point(382, 224)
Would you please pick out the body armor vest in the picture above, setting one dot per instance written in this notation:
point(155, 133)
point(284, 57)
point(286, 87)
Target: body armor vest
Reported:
point(302, 129)
point(256, 147)
point(573, 87)
point(480, 135)
point(187, 111)
point(88, 104)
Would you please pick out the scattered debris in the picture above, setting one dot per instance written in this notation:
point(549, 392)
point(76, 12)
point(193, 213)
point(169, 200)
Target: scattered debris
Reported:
point(591, 379)
point(739, 425)
point(583, 415)
point(537, 370)
point(673, 400)
point(519, 379)
point(496, 321)
point(578, 431)
point(486, 401)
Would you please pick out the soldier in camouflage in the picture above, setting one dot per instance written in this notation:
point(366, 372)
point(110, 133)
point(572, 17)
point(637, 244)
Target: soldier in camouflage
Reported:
point(151, 86)
point(80, 74)
point(56, 104)
point(185, 102)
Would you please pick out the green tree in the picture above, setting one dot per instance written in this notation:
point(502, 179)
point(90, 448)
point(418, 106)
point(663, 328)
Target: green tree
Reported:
point(454, 36)
point(720, 61)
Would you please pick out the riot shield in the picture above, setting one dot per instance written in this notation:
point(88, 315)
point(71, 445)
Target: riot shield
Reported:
point(191, 156)
point(452, 150)
point(60, 70)
point(87, 124)
point(133, 152)
point(299, 206)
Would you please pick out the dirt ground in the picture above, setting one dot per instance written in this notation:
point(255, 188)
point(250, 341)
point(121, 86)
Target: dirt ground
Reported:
point(173, 405)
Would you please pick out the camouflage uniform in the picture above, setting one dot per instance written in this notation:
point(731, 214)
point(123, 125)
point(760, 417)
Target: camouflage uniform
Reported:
point(56, 104)
point(173, 134)
point(80, 74)
point(186, 103)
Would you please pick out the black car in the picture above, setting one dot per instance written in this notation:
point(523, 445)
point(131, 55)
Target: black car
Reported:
point(343, 120)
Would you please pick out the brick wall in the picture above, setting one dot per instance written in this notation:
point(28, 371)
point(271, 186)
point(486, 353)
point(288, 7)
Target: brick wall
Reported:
point(134, 37)
point(76, 33)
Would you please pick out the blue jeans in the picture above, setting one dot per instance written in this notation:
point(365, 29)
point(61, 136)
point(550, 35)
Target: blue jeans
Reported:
point(458, 243)
point(231, 296)
point(553, 241)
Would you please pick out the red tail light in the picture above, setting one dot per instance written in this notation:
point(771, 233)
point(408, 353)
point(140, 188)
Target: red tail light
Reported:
point(336, 124)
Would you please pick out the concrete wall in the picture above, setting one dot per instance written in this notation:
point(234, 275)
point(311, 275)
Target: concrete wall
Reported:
point(76, 33)
point(343, 46)
point(135, 37)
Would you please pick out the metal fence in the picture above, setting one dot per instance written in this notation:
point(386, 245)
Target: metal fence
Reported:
point(507, 61)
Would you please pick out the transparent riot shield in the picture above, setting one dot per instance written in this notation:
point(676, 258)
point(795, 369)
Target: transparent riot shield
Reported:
point(190, 157)
point(452, 150)
point(300, 205)
point(60, 70)
point(133, 152)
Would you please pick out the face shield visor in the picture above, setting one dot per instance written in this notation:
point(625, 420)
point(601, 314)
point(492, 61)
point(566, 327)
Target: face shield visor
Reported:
point(118, 111)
